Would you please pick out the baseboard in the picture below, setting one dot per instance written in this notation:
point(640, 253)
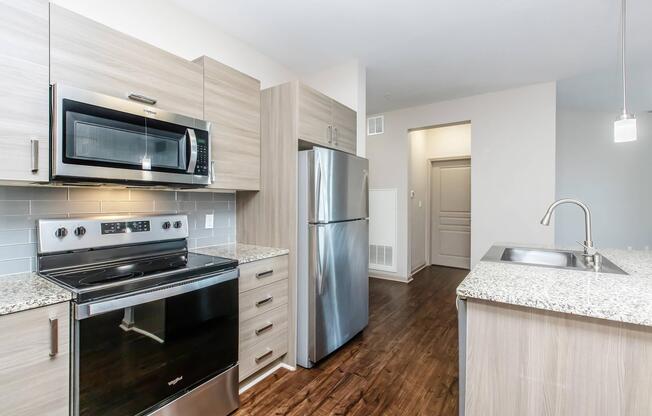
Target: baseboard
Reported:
point(264, 375)
point(378, 275)
point(418, 269)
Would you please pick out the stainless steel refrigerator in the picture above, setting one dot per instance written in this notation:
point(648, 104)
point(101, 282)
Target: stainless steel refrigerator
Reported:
point(333, 252)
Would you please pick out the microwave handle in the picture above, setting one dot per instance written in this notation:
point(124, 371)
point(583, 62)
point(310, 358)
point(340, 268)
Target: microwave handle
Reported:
point(193, 150)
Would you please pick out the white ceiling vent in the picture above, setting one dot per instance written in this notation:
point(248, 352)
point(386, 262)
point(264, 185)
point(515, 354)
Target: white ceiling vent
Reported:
point(375, 125)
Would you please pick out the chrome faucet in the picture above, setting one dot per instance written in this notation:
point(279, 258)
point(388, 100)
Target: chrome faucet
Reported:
point(589, 250)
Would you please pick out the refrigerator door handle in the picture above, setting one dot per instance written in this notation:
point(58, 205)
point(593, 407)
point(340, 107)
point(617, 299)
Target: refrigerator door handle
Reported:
point(320, 274)
point(318, 191)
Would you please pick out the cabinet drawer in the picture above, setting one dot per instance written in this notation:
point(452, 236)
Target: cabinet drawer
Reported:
point(263, 299)
point(88, 55)
point(262, 354)
point(34, 361)
point(263, 327)
point(263, 272)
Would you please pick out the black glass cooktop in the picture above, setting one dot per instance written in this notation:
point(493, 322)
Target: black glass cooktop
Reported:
point(116, 278)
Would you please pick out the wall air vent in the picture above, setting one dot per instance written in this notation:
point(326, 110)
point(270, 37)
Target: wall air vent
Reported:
point(375, 125)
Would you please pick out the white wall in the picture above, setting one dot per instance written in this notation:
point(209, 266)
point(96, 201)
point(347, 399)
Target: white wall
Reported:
point(513, 156)
point(433, 143)
point(613, 179)
point(345, 83)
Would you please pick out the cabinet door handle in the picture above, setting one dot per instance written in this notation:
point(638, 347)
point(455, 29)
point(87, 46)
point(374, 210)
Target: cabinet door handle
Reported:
point(265, 328)
point(264, 274)
point(265, 355)
point(54, 337)
point(142, 99)
point(34, 151)
point(330, 134)
point(335, 135)
point(264, 301)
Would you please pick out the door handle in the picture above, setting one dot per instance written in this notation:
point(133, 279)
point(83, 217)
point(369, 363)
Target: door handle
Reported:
point(264, 301)
point(320, 275)
point(264, 274)
point(318, 189)
point(54, 337)
point(193, 150)
point(265, 328)
point(142, 99)
point(335, 135)
point(34, 160)
point(265, 355)
point(330, 134)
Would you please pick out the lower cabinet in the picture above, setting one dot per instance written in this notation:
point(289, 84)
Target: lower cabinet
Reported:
point(35, 361)
point(263, 313)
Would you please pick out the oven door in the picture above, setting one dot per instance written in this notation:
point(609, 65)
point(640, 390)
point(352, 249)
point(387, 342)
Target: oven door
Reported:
point(135, 354)
point(103, 138)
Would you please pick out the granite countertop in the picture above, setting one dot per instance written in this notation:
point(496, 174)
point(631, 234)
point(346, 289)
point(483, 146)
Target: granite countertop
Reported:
point(23, 291)
point(244, 253)
point(622, 298)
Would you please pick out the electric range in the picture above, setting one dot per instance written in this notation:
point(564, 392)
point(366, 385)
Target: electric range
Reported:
point(154, 327)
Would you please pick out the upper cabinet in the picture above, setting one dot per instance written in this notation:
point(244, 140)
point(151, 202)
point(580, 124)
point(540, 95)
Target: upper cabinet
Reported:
point(232, 106)
point(24, 96)
point(91, 56)
point(324, 121)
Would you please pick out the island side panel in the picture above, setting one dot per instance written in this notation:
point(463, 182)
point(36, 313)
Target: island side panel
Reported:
point(523, 362)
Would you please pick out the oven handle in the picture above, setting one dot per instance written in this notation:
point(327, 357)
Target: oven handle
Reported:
point(87, 310)
point(193, 150)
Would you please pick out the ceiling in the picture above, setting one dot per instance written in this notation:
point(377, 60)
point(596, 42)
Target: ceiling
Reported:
point(420, 51)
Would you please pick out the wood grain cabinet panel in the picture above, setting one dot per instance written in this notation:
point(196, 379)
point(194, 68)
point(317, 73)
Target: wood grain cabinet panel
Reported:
point(263, 327)
point(262, 354)
point(232, 105)
point(33, 382)
point(344, 128)
point(263, 272)
point(315, 116)
point(24, 94)
point(263, 299)
point(91, 56)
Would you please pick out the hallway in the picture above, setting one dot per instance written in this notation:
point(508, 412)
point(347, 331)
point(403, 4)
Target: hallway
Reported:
point(404, 363)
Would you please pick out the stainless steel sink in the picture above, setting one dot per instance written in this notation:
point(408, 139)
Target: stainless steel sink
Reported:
point(560, 259)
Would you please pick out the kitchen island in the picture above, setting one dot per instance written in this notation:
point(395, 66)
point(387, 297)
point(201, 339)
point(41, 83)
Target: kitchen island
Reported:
point(551, 341)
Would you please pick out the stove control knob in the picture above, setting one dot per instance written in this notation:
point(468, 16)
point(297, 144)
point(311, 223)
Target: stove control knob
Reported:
point(80, 231)
point(61, 232)
point(166, 225)
point(178, 224)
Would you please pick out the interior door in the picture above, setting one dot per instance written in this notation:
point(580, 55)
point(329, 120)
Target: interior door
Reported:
point(450, 213)
point(338, 284)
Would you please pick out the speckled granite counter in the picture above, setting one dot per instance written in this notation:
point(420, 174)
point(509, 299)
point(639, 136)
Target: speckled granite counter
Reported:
point(19, 292)
point(244, 253)
point(598, 295)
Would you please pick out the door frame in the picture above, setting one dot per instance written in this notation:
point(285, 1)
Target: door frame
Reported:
point(429, 163)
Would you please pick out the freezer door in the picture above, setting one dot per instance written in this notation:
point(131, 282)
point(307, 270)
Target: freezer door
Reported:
point(338, 186)
point(338, 284)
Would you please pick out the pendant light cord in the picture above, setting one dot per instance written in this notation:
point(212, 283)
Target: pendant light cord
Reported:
point(622, 46)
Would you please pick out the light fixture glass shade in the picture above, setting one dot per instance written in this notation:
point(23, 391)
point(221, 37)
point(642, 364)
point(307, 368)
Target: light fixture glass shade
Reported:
point(625, 130)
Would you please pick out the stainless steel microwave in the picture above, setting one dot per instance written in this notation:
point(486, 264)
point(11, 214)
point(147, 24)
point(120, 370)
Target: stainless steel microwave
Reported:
point(100, 138)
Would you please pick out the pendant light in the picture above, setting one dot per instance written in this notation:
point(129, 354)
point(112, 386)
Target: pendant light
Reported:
point(625, 126)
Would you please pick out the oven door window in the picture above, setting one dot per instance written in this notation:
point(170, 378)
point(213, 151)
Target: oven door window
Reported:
point(102, 137)
point(136, 359)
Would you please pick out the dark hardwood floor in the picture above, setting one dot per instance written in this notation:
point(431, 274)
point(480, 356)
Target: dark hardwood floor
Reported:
point(404, 363)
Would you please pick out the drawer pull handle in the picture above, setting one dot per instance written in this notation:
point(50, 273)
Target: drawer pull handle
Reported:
point(263, 356)
point(266, 328)
point(264, 274)
point(142, 99)
point(264, 301)
point(54, 337)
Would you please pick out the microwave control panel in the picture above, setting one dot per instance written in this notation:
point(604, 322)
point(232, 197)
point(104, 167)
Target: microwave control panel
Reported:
point(201, 168)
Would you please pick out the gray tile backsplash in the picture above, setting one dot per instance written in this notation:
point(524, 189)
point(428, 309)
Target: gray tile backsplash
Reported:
point(21, 207)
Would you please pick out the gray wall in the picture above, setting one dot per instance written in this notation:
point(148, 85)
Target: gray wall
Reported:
point(614, 179)
point(20, 207)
